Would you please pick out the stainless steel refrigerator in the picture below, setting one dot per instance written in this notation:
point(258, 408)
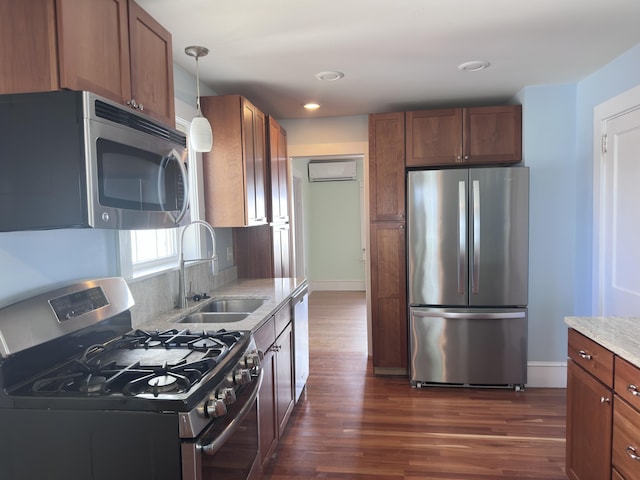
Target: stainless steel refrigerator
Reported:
point(468, 234)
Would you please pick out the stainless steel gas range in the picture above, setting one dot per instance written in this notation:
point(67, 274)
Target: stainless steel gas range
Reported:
point(83, 396)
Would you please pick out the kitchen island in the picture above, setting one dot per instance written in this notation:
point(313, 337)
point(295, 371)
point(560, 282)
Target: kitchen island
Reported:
point(603, 398)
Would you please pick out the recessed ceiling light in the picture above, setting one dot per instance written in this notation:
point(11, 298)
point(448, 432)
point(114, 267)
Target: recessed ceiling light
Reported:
point(329, 76)
point(474, 66)
point(312, 106)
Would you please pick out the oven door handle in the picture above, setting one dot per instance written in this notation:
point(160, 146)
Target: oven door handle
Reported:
point(213, 447)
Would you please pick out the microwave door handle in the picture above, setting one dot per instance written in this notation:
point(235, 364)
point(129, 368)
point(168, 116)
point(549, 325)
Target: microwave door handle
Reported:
point(173, 155)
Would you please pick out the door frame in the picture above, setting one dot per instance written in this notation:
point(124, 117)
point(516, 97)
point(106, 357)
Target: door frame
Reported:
point(342, 149)
point(602, 113)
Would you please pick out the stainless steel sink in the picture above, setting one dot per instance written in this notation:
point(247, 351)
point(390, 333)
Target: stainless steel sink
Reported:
point(214, 317)
point(246, 305)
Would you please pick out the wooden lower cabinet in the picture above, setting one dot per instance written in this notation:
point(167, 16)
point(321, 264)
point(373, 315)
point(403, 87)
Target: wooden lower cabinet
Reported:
point(268, 433)
point(589, 414)
point(389, 298)
point(603, 413)
point(277, 394)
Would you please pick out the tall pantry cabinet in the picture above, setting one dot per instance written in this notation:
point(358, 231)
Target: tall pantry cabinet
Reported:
point(387, 242)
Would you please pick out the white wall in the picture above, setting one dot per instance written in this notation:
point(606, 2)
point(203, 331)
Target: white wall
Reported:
point(332, 212)
point(549, 118)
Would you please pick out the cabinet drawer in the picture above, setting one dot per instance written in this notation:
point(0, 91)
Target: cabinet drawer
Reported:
point(615, 475)
point(265, 335)
point(627, 382)
point(283, 317)
point(594, 358)
point(625, 455)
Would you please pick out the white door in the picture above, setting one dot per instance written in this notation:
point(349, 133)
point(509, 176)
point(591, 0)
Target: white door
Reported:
point(620, 220)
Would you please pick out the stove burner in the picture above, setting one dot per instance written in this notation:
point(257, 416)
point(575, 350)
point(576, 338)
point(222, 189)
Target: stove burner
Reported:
point(164, 383)
point(93, 384)
point(140, 363)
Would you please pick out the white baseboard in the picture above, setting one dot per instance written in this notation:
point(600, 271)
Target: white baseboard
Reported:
point(329, 285)
point(547, 374)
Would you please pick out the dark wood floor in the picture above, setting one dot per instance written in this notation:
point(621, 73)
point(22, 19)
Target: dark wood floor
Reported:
point(350, 424)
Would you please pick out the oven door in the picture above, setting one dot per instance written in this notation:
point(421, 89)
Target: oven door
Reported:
point(228, 449)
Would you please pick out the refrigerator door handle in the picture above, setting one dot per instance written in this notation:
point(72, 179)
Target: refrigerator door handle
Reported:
point(470, 316)
point(475, 276)
point(462, 235)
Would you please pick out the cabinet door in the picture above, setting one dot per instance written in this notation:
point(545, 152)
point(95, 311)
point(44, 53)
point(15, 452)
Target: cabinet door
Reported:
point(285, 390)
point(278, 171)
point(386, 167)
point(493, 134)
point(151, 65)
point(268, 432)
point(434, 137)
point(589, 420)
point(28, 46)
point(93, 47)
point(281, 246)
point(625, 455)
point(389, 298)
point(254, 149)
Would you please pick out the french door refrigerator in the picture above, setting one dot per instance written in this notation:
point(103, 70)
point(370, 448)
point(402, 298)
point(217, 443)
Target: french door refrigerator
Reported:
point(467, 239)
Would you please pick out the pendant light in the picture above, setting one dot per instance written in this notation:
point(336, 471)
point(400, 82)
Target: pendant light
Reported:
point(200, 132)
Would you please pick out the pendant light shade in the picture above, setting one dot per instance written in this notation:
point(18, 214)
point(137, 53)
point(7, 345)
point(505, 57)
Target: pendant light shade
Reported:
point(200, 133)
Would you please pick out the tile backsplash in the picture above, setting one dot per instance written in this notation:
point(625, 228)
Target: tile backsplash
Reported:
point(156, 294)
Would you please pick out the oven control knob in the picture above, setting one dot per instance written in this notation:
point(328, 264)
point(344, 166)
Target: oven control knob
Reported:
point(215, 408)
point(252, 360)
point(227, 395)
point(242, 376)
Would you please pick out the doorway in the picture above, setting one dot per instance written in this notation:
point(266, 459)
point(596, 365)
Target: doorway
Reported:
point(616, 289)
point(299, 155)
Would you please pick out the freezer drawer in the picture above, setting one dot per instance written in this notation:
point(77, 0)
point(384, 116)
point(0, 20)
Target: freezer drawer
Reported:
point(468, 346)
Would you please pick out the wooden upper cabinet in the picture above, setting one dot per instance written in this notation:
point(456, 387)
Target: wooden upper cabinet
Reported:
point(434, 137)
point(151, 65)
point(93, 47)
point(475, 135)
point(493, 134)
point(109, 47)
point(235, 169)
point(386, 167)
point(278, 173)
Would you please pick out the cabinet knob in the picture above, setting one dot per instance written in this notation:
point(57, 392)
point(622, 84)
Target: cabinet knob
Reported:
point(631, 451)
point(466, 157)
point(584, 355)
point(605, 400)
point(633, 390)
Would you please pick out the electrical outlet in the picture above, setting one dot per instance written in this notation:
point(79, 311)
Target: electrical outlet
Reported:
point(230, 254)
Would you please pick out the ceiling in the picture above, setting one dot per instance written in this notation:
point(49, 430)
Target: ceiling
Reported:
point(395, 54)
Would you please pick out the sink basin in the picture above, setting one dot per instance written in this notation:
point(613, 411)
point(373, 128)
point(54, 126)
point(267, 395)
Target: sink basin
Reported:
point(246, 305)
point(214, 317)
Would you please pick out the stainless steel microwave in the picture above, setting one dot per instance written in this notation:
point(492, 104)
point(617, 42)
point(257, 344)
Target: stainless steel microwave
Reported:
point(73, 159)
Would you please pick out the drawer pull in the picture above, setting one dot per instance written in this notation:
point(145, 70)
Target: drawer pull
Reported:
point(632, 453)
point(605, 400)
point(584, 355)
point(633, 390)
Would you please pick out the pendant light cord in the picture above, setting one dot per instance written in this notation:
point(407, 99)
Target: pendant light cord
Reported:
point(198, 88)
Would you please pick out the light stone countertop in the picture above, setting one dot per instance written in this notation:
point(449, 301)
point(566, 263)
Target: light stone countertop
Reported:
point(621, 335)
point(275, 290)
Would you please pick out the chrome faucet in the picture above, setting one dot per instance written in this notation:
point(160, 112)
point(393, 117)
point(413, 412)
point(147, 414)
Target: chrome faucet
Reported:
point(182, 294)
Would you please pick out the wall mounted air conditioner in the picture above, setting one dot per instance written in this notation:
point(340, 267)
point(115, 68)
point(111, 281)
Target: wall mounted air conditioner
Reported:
point(332, 170)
